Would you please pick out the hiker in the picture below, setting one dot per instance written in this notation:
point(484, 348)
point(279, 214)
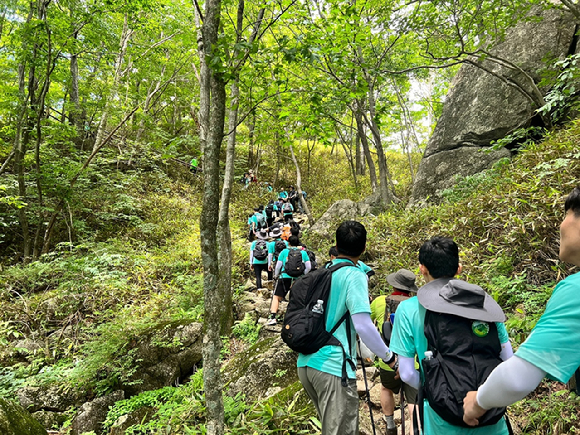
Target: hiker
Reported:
point(247, 179)
point(287, 210)
point(282, 195)
point(292, 197)
point(271, 212)
point(252, 225)
point(259, 256)
point(194, 165)
point(474, 323)
point(261, 220)
point(275, 248)
point(321, 372)
point(552, 347)
point(383, 310)
point(292, 263)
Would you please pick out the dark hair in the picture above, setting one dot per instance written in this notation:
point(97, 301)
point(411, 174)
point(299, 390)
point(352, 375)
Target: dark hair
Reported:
point(333, 252)
point(573, 202)
point(440, 255)
point(293, 241)
point(351, 238)
point(295, 231)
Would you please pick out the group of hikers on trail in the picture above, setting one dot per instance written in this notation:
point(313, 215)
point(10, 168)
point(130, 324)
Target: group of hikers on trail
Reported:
point(444, 344)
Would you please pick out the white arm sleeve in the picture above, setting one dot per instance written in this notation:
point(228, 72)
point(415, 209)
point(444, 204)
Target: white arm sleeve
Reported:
point(278, 268)
point(269, 260)
point(506, 351)
point(251, 257)
point(369, 335)
point(307, 267)
point(510, 381)
point(407, 372)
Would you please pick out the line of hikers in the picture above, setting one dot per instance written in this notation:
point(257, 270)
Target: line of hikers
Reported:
point(447, 347)
point(269, 217)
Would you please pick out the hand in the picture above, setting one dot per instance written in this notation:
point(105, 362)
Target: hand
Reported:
point(395, 364)
point(270, 268)
point(471, 409)
point(251, 267)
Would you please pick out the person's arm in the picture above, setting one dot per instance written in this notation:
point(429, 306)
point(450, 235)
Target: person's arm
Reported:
point(278, 268)
point(509, 382)
point(506, 351)
point(270, 261)
point(251, 258)
point(371, 338)
point(409, 375)
point(307, 267)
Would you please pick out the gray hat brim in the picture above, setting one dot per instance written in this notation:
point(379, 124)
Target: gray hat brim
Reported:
point(392, 280)
point(430, 298)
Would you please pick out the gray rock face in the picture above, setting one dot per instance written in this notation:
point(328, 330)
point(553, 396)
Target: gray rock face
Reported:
point(55, 398)
point(15, 420)
point(342, 210)
point(262, 370)
point(481, 108)
point(92, 415)
point(160, 362)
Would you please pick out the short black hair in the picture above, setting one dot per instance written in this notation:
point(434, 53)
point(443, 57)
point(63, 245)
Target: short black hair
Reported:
point(573, 202)
point(333, 252)
point(295, 231)
point(293, 241)
point(440, 255)
point(351, 238)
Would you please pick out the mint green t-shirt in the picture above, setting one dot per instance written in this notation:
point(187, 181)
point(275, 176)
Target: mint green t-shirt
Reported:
point(348, 291)
point(284, 256)
point(553, 344)
point(255, 260)
point(408, 339)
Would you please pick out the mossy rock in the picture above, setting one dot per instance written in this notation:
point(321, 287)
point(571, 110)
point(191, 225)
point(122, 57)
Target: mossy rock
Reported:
point(15, 420)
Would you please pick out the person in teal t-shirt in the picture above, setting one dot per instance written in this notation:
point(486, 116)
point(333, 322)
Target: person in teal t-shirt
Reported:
point(438, 262)
point(321, 372)
point(285, 281)
point(259, 265)
point(552, 347)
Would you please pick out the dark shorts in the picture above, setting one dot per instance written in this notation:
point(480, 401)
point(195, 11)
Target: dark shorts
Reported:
point(388, 381)
point(283, 287)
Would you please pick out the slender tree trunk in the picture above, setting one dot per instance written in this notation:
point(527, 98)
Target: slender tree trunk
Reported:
point(299, 187)
point(126, 35)
point(365, 145)
point(212, 119)
point(251, 127)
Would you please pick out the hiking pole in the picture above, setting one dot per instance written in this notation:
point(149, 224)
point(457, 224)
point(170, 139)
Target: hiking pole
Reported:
point(402, 405)
point(362, 363)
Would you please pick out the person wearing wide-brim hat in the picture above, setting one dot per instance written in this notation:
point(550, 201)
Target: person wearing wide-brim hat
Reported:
point(403, 280)
point(259, 256)
point(442, 293)
point(383, 310)
point(275, 234)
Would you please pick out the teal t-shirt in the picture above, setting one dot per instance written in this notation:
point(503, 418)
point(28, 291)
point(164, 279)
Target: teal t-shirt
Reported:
point(365, 268)
point(253, 220)
point(255, 260)
point(284, 256)
point(408, 339)
point(283, 194)
point(285, 211)
point(348, 291)
point(553, 344)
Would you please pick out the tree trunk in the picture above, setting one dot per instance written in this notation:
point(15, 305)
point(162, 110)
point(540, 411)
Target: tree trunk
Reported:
point(299, 187)
point(365, 145)
point(212, 119)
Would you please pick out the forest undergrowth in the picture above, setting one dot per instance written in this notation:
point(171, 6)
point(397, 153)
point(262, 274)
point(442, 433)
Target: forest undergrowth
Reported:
point(134, 263)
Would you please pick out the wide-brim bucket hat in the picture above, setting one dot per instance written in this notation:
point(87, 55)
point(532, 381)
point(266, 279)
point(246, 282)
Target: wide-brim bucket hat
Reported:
point(262, 235)
point(276, 232)
point(403, 279)
point(461, 299)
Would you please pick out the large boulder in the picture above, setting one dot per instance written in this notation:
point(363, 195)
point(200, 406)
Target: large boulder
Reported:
point(165, 355)
point(92, 415)
point(55, 398)
point(15, 420)
point(342, 210)
point(261, 371)
point(481, 108)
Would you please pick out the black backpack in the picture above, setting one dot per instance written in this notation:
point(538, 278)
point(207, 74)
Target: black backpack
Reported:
point(261, 250)
point(392, 302)
point(465, 352)
point(312, 257)
point(279, 246)
point(294, 265)
point(305, 331)
point(269, 211)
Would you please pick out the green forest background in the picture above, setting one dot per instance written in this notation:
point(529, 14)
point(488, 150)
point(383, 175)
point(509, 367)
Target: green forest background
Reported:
point(102, 107)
